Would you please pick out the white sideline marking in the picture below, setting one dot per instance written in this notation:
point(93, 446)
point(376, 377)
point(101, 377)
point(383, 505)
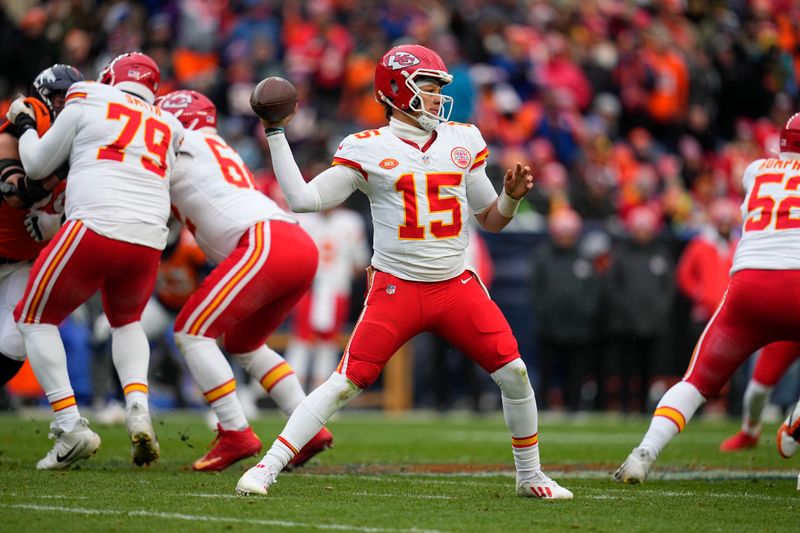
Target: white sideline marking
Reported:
point(205, 518)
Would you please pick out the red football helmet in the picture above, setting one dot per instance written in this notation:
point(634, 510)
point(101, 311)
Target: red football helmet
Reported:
point(397, 75)
point(133, 72)
point(790, 135)
point(192, 109)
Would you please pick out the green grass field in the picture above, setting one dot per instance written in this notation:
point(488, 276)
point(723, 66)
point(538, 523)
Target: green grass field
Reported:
point(403, 474)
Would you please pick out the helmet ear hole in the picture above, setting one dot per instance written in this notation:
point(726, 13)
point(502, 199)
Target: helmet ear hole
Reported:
point(394, 86)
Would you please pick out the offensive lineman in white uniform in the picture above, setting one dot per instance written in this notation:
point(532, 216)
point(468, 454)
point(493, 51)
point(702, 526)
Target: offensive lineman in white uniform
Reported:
point(265, 263)
point(423, 176)
point(121, 150)
point(759, 306)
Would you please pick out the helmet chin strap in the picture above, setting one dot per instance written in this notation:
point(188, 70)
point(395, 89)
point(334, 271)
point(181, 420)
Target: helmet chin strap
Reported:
point(427, 123)
point(424, 121)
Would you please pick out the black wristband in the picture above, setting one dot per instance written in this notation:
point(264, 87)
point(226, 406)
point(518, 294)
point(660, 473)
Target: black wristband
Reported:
point(24, 123)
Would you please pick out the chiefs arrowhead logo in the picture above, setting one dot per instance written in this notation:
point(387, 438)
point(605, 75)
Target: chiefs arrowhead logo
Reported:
point(389, 163)
point(400, 60)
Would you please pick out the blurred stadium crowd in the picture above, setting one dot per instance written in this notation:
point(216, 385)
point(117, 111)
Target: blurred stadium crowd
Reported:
point(637, 117)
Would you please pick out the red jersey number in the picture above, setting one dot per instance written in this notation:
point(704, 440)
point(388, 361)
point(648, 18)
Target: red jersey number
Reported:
point(157, 138)
point(763, 206)
point(234, 172)
point(410, 229)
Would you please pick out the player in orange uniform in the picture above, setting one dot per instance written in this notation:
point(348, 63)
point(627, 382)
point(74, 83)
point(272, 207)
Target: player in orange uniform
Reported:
point(182, 265)
point(24, 203)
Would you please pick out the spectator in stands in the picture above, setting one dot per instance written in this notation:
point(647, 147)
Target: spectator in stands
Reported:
point(566, 299)
point(640, 288)
point(702, 272)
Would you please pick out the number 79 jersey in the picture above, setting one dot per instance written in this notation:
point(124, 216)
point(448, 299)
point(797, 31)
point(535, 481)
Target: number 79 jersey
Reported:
point(120, 164)
point(420, 197)
point(771, 213)
point(214, 195)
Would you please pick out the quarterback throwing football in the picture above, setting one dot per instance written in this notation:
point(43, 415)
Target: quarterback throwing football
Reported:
point(423, 176)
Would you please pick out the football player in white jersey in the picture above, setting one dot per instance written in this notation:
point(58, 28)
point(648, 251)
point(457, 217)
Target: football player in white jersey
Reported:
point(321, 313)
point(121, 150)
point(759, 306)
point(423, 176)
point(265, 263)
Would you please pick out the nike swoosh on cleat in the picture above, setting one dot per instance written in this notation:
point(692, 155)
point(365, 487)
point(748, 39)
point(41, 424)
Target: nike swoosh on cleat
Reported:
point(61, 458)
point(202, 463)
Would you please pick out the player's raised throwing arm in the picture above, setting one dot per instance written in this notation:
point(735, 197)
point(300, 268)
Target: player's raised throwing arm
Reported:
point(328, 189)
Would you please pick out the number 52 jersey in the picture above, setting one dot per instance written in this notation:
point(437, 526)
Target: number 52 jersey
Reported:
point(421, 196)
point(771, 213)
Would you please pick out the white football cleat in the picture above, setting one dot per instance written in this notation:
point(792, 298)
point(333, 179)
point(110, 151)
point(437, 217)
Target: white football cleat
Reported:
point(542, 487)
point(257, 480)
point(144, 446)
point(70, 447)
point(789, 433)
point(636, 467)
point(787, 446)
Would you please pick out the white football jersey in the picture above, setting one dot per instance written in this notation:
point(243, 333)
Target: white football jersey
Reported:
point(121, 161)
point(339, 236)
point(771, 213)
point(420, 197)
point(214, 195)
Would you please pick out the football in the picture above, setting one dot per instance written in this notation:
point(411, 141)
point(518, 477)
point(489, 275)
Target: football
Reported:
point(273, 99)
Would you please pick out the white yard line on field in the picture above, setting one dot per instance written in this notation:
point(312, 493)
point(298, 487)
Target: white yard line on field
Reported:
point(206, 518)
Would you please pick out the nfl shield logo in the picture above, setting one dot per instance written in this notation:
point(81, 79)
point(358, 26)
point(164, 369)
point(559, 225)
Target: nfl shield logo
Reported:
point(390, 289)
point(426, 159)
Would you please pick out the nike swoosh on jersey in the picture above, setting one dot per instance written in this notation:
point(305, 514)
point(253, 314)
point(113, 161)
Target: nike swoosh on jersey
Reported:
point(61, 458)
